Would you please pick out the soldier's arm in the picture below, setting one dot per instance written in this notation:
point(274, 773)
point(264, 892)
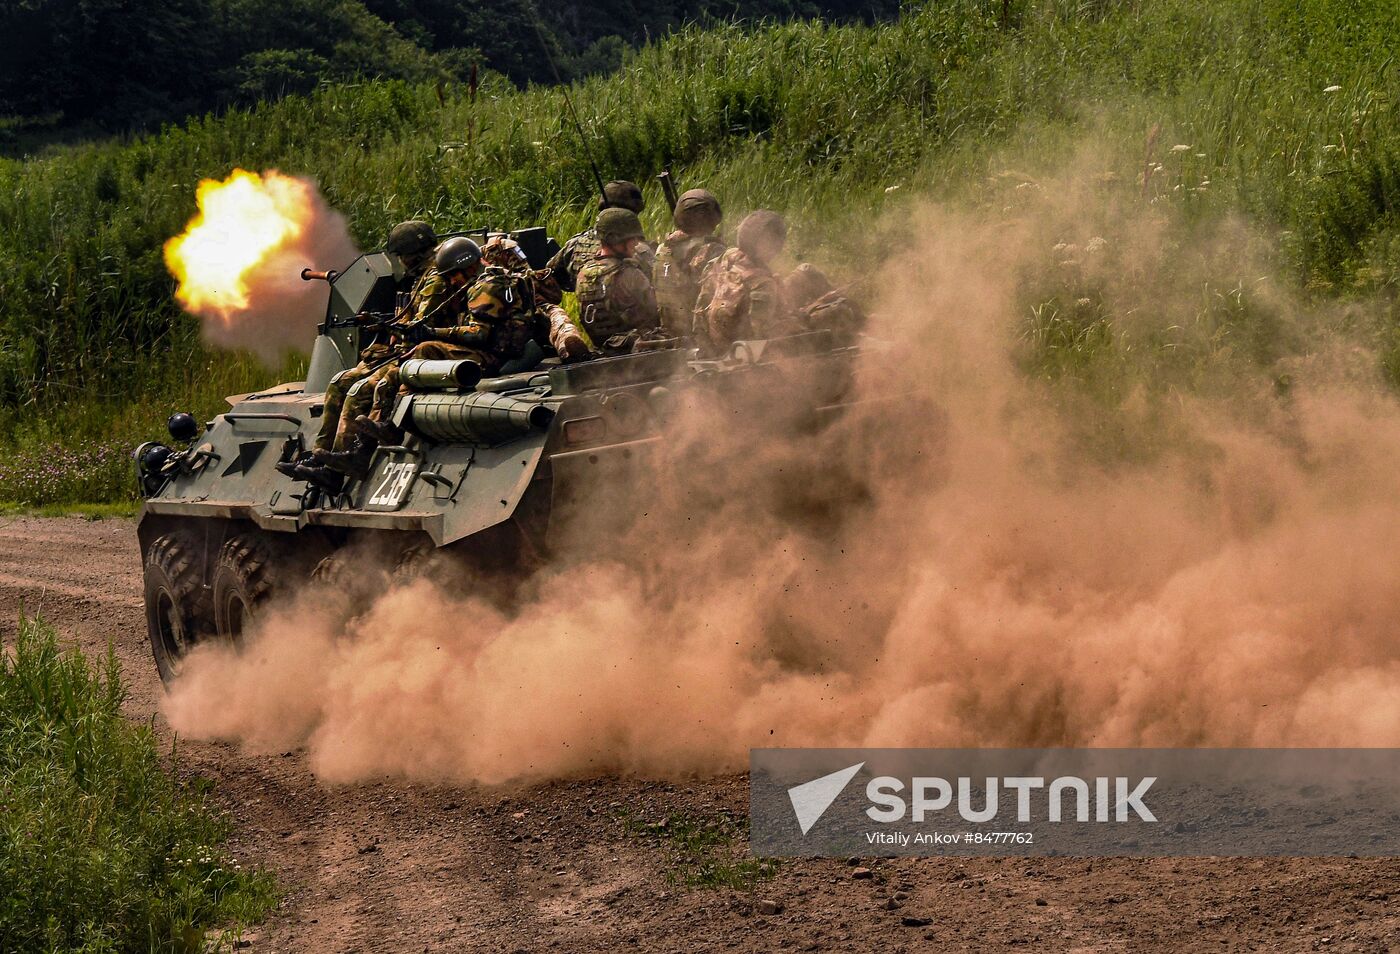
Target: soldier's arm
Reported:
point(547, 287)
point(561, 266)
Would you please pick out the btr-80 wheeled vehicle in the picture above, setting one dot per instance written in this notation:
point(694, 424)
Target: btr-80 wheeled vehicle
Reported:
point(494, 467)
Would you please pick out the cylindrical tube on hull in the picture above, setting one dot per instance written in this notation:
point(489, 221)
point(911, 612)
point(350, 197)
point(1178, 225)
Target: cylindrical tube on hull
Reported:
point(477, 418)
point(426, 374)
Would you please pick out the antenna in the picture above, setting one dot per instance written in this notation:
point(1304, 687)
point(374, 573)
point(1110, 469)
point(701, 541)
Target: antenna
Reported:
point(568, 101)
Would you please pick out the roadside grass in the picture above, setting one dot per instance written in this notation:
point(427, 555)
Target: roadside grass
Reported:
point(1278, 113)
point(113, 510)
point(701, 851)
point(102, 848)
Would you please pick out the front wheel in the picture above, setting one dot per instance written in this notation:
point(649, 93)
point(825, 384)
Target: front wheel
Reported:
point(241, 583)
point(177, 604)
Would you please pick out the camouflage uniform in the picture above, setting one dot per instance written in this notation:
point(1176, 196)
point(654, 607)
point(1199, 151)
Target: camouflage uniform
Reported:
point(491, 323)
point(582, 249)
point(740, 298)
point(434, 304)
point(681, 260)
point(331, 434)
point(616, 303)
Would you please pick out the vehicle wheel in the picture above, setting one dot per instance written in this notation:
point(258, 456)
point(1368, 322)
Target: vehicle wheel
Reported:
point(333, 571)
point(242, 583)
point(413, 560)
point(177, 604)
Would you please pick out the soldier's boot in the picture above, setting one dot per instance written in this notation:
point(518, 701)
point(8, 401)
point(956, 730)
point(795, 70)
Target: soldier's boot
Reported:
point(323, 477)
point(353, 462)
point(382, 432)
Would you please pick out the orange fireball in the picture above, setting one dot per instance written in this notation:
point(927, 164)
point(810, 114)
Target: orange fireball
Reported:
point(243, 222)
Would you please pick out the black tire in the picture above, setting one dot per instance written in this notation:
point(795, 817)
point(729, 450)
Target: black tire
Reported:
point(413, 561)
point(334, 570)
point(241, 582)
point(177, 604)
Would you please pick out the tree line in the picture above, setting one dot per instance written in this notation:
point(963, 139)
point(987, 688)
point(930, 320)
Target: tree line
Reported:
point(75, 68)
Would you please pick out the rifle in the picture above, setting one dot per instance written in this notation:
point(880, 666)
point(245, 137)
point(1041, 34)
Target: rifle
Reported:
point(668, 187)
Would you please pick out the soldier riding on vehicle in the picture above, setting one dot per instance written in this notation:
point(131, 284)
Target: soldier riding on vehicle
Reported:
point(682, 258)
point(742, 297)
point(583, 247)
point(617, 304)
point(412, 243)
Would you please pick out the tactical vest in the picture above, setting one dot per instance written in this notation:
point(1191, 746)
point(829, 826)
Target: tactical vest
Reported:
point(600, 316)
point(516, 326)
point(677, 283)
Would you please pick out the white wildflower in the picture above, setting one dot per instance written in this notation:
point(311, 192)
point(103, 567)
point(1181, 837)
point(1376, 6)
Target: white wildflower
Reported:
point(1333, 89)
point(889, 189)
point(1096, 244)
point(1179, 147)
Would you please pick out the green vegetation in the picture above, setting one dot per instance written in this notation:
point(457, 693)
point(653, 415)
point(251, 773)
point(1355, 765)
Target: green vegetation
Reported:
point(101, 850)
point(127, 65)
point(1282, 113)
point(702, 852)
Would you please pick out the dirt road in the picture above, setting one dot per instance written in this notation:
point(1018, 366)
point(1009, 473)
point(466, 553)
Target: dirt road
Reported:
point(576, 866)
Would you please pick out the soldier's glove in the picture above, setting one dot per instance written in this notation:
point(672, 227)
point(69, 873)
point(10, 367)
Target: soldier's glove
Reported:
point(417, 333)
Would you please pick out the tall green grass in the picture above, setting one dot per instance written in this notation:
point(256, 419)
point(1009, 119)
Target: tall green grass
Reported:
point(101, 849)
point(816, 120)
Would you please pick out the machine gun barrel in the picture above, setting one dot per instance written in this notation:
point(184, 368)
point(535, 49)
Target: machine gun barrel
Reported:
point(312, 275)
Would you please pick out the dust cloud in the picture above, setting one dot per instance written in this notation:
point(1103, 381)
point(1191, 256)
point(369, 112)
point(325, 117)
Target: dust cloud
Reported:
point(974, 556)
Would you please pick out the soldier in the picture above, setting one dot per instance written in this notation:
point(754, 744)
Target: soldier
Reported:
point(583, 247)
point(412, 243)
point(616, 302)
point(500, 327)
point(740, 296)
point(553, 325)
point(683, 256)
point(437, 310)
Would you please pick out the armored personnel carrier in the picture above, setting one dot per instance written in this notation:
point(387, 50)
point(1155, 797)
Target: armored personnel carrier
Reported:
point(497, 468)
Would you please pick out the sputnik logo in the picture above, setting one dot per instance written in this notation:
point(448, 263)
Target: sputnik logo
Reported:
point(810, 800)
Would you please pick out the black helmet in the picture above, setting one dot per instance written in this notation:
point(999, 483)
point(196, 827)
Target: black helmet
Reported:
point(616, 226)
point(762, 234)
point(410, 238)
point(698, 212)
point(621, 194)
point(456, 254)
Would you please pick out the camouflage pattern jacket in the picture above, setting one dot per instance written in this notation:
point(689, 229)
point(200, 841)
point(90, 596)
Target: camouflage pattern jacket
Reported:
point(494, 318)
point(740, 298)
point(616, 302)
point(681, 260)
point(584, 248)
point(426, 290)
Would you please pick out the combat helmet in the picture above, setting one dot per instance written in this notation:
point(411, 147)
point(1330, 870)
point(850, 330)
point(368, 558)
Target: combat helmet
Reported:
point(616, 226)
point(410, 238)
point(698, 212)
point(762, 235)
point(456, 254)
point(621, 194)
